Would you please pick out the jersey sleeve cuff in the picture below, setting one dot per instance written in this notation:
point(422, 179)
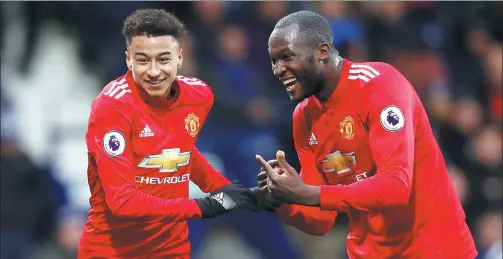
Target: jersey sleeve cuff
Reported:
point(331, 198)
point(283, 210)
point(194, 210)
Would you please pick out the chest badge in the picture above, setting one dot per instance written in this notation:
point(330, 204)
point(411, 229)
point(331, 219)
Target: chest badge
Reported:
point(168, 161)
point(348, 128)
point(192, 124)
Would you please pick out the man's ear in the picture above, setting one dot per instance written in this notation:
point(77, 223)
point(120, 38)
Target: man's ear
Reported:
point(128, 60)
point(180, 57)
point(324, 52)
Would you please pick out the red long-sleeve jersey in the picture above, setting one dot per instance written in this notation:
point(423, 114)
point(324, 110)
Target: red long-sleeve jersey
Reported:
point(371, 149)
point(142, 155)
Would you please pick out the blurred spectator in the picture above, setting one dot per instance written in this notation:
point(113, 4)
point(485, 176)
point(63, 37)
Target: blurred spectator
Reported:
point(483, 164)
point(265, 16)
point(454, 134)
point(487, 147)
point(344, 26)
point(67, 236)
point(489, 236)
point(461, 184)
point(27, 202)
point(190, 67)
point(349, 33)
point(493, 66)
point(468, 116)
point(206, 18)
point(238, 82)
point(386, 28)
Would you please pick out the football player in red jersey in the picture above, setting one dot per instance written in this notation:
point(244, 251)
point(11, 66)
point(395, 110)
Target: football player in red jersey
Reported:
point(366, 148)
point(141, 140)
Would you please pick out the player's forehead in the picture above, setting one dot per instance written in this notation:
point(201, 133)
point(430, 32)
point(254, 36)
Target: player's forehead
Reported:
point(284, 38)
point(153, 45)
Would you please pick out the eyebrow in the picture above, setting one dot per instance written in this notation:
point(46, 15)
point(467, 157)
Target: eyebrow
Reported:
point(285, 49)
point(160, 54)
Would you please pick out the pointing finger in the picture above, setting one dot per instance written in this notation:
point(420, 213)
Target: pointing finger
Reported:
point(271, 173)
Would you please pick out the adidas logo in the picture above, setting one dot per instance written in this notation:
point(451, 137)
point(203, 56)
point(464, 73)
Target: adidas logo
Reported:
point(146, 132)
point(219, 197)
point(224, 200)
point(312, 139)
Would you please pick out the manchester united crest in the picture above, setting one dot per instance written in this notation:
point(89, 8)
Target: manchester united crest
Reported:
point(348, 128)
point(192, 124)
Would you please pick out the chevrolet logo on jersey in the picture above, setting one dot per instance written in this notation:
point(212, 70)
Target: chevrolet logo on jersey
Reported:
point(338, 163)
point(168, 161)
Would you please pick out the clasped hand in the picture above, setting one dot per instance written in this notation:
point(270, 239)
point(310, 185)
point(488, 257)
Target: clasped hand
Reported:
point(280, 182)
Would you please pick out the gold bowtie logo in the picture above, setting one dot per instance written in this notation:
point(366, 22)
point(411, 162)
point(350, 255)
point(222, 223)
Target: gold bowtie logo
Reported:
point(168, 161)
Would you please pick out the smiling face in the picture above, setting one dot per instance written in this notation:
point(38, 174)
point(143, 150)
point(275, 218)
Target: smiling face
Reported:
point(154, 62)
point(295, 62)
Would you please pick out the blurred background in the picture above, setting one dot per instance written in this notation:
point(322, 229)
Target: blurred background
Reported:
point(56, 57)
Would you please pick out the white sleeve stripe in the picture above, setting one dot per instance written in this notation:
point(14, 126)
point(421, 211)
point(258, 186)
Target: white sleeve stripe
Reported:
point(117, 89)
point(359, 76)
point(361, 71)
point(366, 67)
point(123, 92)
point(114, 84)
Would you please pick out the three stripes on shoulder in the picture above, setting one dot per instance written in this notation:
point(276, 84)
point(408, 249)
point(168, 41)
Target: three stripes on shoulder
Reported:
point(118, 89)
point(363, 72)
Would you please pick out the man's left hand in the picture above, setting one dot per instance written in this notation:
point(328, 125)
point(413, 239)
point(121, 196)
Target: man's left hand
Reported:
point(288, 187)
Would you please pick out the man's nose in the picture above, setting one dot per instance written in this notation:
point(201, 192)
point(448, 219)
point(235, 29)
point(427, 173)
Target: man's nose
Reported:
point(154, 71)
point(278, 69)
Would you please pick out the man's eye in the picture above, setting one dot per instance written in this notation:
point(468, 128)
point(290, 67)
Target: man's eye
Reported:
point(142, 60)
point(164, 60)
point(288, 57)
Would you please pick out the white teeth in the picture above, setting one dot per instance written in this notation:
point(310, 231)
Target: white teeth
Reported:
point(289, 81)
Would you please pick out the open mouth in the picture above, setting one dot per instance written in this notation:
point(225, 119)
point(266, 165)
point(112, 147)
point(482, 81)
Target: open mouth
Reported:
point(290, 84)
point(154, 84)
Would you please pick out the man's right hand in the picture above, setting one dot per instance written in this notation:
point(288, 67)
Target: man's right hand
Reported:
point(226, 198)
point(263, 195)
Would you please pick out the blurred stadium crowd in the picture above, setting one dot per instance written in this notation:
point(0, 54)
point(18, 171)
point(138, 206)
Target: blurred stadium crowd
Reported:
point(56, 56)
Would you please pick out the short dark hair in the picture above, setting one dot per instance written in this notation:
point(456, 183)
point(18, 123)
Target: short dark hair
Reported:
point(312, 27)
point(152, 22)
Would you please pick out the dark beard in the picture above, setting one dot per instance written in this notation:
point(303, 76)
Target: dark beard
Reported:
point(316, 89)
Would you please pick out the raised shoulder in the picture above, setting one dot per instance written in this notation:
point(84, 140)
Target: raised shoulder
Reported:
point(117, 89)
point(369, 71)
point(114, 96)
point(191, 81)
point(197, 91)
point(106, 107)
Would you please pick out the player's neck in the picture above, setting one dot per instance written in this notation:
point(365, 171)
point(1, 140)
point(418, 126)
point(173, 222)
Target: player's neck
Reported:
point(164, 101)
point(332, 77)
point(172, 93)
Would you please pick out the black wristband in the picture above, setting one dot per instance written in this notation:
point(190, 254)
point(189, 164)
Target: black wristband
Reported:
point(210, 208)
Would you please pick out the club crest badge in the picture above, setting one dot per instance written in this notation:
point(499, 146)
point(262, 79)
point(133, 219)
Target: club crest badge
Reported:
point(348, 128)
point(192, 124)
